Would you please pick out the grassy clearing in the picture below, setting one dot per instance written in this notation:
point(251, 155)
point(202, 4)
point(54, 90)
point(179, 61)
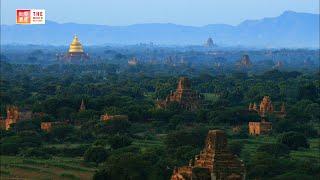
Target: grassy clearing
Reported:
point(55, 168)
point(311, 153)
point(253, 143)
point(211, 97)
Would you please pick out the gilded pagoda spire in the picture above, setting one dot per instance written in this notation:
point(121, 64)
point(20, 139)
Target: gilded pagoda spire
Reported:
point(75, 46)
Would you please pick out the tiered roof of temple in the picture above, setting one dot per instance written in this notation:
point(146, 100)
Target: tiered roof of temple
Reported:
point(214, 162)
point(183, 95)
point(265, 108)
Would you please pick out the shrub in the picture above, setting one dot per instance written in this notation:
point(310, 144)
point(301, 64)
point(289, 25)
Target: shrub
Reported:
point(74, 151)
point(194, 138)
point(119, 141)
point(293, 140)
point(35, 152)
point(235, 147)
point(96, 154)
point(62, 132)
point(276, 149)
point(9, 148)
point(125, 166)
point(100, 142)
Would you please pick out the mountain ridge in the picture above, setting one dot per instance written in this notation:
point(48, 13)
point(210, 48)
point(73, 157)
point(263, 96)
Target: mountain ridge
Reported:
point(290, 29)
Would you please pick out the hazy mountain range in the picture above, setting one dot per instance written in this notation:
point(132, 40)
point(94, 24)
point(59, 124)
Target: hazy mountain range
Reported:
point(290, 29)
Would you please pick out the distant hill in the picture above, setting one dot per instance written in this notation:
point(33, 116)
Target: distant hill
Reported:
point(290, 29)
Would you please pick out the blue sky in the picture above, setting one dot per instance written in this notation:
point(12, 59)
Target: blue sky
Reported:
point(186, 12)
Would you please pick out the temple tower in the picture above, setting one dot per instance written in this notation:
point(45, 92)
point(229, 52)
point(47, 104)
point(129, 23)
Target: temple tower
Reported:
point(75, 52)
point(183, 95)
point(12, 116)
point(214, 162)
point(82, 106)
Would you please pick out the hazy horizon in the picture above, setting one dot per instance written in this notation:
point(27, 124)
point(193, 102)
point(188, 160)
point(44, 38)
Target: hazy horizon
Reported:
point(124, 12)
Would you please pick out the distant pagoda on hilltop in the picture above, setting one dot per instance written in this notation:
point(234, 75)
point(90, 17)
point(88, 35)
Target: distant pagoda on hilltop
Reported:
point(133, 61)
point(209, 43)
point(75, 53)
point(244, 62)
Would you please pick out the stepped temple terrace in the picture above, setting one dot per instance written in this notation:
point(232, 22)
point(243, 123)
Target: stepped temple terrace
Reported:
point(214, 162)
point(75, 53)
point(184, 96)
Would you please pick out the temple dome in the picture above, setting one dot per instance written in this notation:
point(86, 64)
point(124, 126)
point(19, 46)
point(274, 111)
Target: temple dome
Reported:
point(75, 46)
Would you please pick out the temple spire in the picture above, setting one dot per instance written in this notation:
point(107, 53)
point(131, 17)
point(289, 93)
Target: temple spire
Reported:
point(82, 106)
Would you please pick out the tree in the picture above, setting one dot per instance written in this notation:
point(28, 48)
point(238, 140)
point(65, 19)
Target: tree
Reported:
point(313, 110)
point(62, 132)
point(35, 152)
point(308, 91)
point(194, 138)
point(125, 166)
point(235, 147)
point(96, 154)
point(293, 140)
point(27, 125)
point(264, 166)
point(113, 127)
point(276, 149)
point(119, 141)
point(10, 148)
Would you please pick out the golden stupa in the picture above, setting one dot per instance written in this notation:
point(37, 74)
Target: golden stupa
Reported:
point(75, 46)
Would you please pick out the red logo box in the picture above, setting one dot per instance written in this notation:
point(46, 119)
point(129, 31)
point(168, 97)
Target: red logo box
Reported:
point(23, 16)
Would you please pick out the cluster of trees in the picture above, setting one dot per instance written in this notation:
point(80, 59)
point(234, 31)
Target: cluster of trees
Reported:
point(57, 91)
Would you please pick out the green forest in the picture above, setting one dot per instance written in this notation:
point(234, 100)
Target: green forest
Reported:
point(153, 141)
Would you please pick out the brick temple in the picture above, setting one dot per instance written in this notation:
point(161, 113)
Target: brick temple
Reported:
point(107, 117)
point(265, 108)
point(214, 162)
point(48, 126)
point(262, 127)
point(184, 96)
point(13, 116)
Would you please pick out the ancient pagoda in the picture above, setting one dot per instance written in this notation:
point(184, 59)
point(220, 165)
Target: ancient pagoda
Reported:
point(82, 106)
point(14, 116)
point(75, 52)
point(209, 43)
point(184, 96)
point(244, 62)
point(266, 108)
point(214, 162)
